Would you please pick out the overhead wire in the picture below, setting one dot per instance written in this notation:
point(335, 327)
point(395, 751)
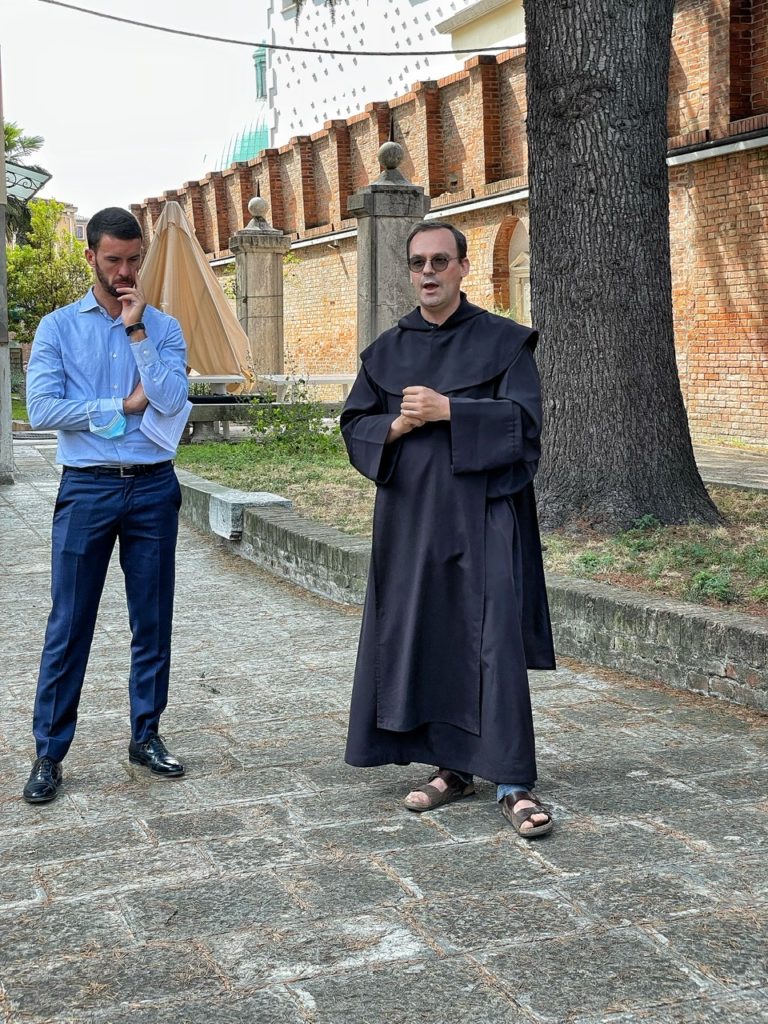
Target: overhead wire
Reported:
point(271, 46)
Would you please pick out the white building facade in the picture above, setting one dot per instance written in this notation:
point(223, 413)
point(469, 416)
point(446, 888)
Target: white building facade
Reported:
point(306, 90)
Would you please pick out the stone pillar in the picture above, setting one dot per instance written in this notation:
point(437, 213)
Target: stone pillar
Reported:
point(386, 210)
point(6, 421)
point(259, 251)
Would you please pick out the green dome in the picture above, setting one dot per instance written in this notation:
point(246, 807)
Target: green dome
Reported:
point(246, 144)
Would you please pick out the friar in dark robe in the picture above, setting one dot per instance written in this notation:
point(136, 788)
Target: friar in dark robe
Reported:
point(445, 417)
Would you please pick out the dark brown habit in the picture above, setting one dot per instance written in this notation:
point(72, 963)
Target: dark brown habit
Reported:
point(456, 606)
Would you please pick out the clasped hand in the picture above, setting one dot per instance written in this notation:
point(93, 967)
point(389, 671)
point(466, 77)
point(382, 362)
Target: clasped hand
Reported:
point(419, 406)
point(423, 405)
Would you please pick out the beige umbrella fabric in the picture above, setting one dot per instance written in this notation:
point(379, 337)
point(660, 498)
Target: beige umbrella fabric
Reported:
point(177, 278)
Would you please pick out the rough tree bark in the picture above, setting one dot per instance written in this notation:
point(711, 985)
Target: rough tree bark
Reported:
point(617, 444)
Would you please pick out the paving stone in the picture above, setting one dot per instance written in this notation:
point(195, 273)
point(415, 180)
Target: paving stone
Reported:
point(451, 990)
point(16, 815)
point(730, 948)
point(598, 844)
point(656, 798)
point(117, 872)
point(741, 1010)
point(325, 883)
point(129, 979)
point(172, 828)
point(335, 774)
point(701, 758)
point(749, 785)
point(245, 785)
point(20, 887)
point(637, 894)
point(375, 836)
point(140, 795)
point(207, 907)
point(431, 872)
point(310, 740)
point(617, 970)
point(267, 1007)
point(48, 844)
point(45, 933)
point(243, 855)
point(736, 830)
point(307, 947)
point(732, 881)
point(375, 801)
point(512, 914)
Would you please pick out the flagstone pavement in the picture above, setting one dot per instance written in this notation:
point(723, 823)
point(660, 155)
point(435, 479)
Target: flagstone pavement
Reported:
point(275, 884)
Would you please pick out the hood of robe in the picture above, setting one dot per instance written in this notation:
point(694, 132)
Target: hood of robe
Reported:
point(471, 347)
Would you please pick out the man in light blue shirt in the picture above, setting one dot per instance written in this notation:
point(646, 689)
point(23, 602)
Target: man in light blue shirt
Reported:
point(98, 367)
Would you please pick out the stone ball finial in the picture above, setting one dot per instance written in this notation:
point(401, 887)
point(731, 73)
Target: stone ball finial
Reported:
point(257, 207)
point(390, 156)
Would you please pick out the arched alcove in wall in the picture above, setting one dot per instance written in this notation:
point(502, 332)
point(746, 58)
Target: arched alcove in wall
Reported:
point(511, 269)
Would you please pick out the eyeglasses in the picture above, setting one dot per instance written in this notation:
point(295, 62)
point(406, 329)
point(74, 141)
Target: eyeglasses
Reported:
point(438, 263)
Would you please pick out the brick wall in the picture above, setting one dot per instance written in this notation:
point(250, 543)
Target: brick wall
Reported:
point(464, 139)
point(514, 106)
point(759, 57)
point(688, 103)
point(320, 309)
point(719, 274)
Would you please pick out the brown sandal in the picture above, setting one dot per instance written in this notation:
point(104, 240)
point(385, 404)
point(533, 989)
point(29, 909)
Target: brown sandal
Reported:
point(457, 789)
point(518, 818)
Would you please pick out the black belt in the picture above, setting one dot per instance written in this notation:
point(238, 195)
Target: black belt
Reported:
point(141, 470)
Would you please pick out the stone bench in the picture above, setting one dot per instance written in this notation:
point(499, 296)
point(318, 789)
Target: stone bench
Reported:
point(210, 422)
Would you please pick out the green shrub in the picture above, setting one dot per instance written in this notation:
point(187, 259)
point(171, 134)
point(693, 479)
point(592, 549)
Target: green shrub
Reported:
point(646, 522)
point(754, 562)
point(296, 428)
point(712, 583)
point(19, 384)
point(589, 563)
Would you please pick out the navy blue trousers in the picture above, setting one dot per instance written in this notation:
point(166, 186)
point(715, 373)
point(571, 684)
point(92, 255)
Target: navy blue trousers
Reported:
point(92, 512)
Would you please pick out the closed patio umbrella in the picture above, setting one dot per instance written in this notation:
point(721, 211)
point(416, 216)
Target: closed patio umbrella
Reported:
point(178, 279)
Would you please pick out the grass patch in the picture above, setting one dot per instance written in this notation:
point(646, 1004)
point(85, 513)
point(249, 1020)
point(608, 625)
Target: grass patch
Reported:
point(322, 485)
point(725, 566)
point(18, 409)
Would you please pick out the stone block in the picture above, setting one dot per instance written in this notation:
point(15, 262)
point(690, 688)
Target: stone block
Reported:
point(210, 506)
point(225, 510)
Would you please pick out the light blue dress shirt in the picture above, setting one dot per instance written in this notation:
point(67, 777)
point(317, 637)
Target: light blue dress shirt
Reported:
point(83, 365)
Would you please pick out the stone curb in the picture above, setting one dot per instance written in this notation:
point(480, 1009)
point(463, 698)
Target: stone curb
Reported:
point(691, 647)
point(687, 646)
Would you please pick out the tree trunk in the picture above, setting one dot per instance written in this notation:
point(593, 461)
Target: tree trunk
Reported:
point(616, 438)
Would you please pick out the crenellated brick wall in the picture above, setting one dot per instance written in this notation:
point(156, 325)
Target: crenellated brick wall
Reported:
point(464, 142)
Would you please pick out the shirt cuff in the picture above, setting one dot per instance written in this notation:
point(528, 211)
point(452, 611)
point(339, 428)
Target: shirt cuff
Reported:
point(105, 417)
point(145, 353)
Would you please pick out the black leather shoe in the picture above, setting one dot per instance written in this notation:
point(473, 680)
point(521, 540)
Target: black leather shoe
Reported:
point(154, 755)
point(43, 782)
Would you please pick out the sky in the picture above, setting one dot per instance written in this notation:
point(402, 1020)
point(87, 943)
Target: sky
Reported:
point(127, 113)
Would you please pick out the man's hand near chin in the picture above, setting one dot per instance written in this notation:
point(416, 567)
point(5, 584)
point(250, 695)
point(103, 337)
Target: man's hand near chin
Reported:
point(136, 402)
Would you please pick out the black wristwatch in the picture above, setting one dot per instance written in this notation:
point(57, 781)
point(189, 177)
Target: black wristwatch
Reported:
point(135, 327)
